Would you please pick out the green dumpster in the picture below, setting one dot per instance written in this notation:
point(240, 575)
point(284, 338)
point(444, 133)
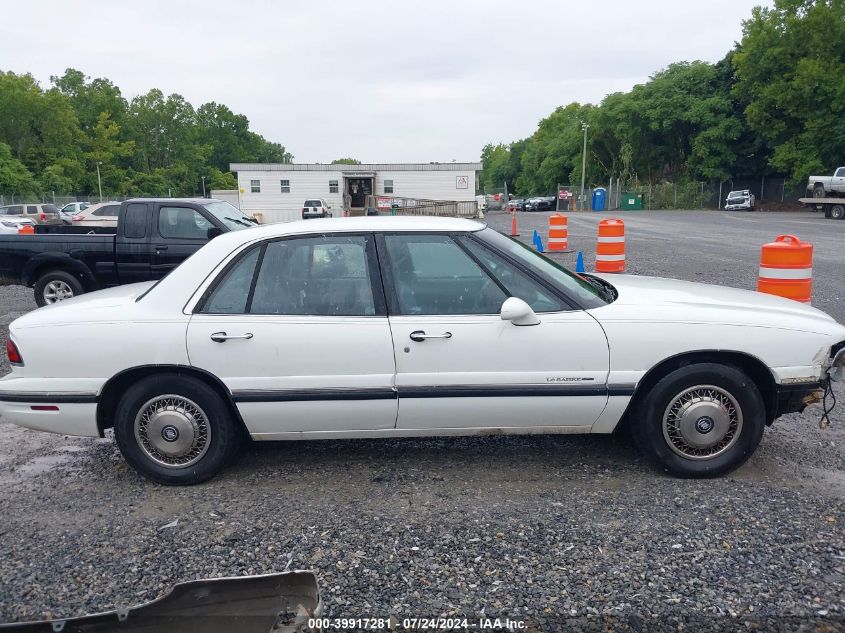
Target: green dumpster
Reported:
point(631, 201)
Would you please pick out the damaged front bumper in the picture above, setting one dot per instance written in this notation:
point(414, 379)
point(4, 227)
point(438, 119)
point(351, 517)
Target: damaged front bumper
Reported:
point(283, 602)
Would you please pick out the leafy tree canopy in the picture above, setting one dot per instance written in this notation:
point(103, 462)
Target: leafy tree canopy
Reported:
point(53, 139)
point(774, 105)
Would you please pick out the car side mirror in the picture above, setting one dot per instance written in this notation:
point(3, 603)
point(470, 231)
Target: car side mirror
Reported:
point(213, 232)
point(518, 312)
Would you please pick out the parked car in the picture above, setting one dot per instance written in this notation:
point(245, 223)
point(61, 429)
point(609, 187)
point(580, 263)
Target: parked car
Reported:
point(316, 208)
point(827, 186)
point(38, 213)
point(66, 218)
point(742, 200)
point(11, 224)
point(72, 208)
point(104, 214)
point(516, 205)
point(151, 238)
point(403, 326)
point(546, 203)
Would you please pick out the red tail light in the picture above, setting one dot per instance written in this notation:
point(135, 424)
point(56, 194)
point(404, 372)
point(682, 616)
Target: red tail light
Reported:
point(12, 353)
point(43, 216)
point(78, 218)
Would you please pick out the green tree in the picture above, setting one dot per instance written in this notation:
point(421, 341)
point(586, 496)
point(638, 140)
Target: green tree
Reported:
point(346, 161)
point(790, 70)
point(15, 178)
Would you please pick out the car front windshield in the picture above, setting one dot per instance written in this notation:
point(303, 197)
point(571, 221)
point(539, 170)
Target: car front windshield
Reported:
point(587, 294)
point(229, 215)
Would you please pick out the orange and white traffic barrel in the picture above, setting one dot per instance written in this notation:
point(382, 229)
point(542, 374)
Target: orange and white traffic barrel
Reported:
point(610, 250)
point(26, 229)
point(786, 268)
point(558, 232)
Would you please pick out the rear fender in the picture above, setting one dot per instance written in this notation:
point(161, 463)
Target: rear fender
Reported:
point(43, 262)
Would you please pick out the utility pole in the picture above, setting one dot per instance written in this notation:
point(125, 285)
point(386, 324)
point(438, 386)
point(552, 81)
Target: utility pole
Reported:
point(203, 186)
point(99, 182)
point(585, 127)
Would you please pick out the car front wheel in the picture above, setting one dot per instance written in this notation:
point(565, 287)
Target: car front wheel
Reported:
point(175, 429)
point(702, 420)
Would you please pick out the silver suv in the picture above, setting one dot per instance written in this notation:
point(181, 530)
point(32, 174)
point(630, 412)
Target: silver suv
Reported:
point(38, 213)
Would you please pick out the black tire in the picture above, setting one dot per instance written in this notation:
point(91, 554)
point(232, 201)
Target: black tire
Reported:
point(652, 437)
point(837, 212)
point(202, 460)
point(818, 191)
point(47, 285)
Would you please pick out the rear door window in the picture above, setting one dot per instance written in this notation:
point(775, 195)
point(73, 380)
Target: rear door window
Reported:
point(135, 220)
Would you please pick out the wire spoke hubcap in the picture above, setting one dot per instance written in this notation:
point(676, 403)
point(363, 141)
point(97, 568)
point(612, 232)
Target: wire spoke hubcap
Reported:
point(172, 431)
point(57, 290)
point(702, 422)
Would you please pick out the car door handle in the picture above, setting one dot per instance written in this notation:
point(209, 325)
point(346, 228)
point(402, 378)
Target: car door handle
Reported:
point(162, 247)
point(420, 336)
point(222, 337)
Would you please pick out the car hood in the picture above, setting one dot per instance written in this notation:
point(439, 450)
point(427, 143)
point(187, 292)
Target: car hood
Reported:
point(102, 305)
point(674, 300)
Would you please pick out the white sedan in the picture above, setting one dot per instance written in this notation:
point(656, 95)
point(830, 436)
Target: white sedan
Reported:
point(398, 326)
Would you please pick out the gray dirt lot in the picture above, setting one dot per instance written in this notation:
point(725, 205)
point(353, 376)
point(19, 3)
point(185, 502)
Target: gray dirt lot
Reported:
point(555, 529)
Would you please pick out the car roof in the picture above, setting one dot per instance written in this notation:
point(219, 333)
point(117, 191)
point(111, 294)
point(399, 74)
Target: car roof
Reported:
point(192, 200)
point(421, 223)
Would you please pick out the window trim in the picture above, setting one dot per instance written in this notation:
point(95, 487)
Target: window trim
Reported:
point(284, 188)
point(336, 185)
point(254, 188)
point(559, 291)
point(370, 252)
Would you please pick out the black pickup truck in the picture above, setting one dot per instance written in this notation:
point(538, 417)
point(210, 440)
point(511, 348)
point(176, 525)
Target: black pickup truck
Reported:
point(153, 236)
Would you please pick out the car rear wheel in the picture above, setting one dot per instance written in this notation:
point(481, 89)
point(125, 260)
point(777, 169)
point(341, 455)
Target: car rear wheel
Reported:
point(702, 420)
point(175, 430)
point(55, 286)
point(818, 191)
point(837, 212)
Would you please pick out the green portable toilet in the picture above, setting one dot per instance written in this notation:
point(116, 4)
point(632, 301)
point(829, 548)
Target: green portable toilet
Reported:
point(631, 201)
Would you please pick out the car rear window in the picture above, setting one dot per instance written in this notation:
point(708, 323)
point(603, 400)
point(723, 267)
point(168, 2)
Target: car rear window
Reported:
point(312, 203)
point(50, 208)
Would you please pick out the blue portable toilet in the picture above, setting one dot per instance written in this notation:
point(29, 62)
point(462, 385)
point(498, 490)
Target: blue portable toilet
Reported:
point(599, 198)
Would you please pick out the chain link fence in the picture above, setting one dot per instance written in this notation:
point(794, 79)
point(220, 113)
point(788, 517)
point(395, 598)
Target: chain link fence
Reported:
point(774, 194)
point(58, 200)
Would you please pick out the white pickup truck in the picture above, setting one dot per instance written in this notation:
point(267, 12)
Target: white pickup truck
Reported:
point(827, 186)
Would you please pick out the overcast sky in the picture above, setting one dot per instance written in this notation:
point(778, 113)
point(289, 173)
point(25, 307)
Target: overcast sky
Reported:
point(381, 81)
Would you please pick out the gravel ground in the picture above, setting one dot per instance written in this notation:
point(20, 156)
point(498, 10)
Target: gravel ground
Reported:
point(564, 532)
